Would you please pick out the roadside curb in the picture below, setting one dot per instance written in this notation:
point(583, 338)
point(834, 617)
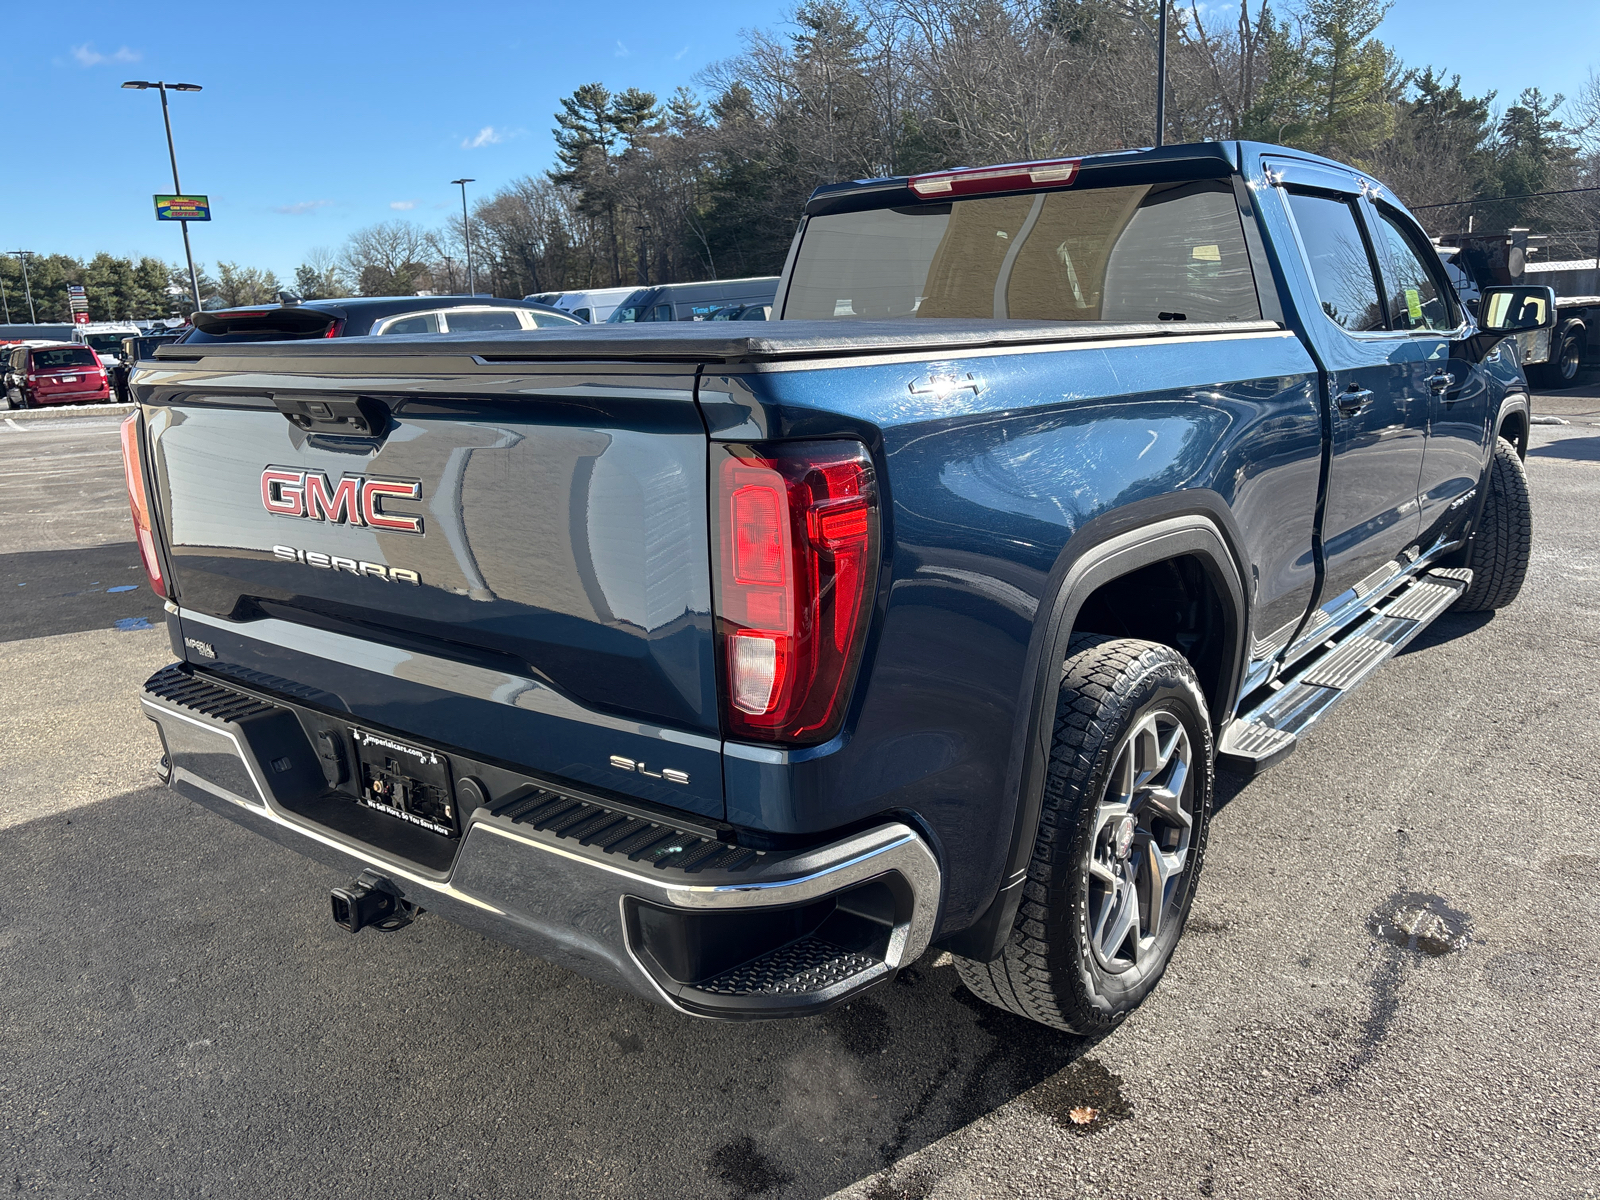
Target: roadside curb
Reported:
point(58, 411)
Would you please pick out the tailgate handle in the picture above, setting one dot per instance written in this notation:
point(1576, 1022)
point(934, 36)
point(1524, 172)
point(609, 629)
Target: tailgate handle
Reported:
point(357, 416)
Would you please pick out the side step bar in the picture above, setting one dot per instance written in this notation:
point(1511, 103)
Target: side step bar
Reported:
point(1268, 733)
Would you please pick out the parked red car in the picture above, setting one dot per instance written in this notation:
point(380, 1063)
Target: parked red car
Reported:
point(64, 374)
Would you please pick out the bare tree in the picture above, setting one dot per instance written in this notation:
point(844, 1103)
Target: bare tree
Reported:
point(388, 259)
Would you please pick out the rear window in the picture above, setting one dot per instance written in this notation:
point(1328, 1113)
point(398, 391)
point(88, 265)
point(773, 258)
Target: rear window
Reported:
point(105, 343)
point(63, 356)
point(1144, 253)
point(275, 325)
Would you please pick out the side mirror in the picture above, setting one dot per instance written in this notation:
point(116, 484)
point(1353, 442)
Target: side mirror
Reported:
point(1517, 309)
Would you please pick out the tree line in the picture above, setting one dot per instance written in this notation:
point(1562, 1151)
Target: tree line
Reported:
point(648, 191)
point(709, 183)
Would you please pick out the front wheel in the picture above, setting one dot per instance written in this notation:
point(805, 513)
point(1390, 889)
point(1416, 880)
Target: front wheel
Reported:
point(1503, 541)
point(1117, 854)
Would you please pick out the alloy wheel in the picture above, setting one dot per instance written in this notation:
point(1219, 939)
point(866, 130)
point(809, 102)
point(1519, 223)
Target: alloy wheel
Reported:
point(1139, 846)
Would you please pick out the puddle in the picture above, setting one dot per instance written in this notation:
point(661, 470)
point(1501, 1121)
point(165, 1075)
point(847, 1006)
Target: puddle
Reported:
point(863, 1028)
point(741, 1165)
point(128, 624)
point(1421, 922)
point(1083, 1098)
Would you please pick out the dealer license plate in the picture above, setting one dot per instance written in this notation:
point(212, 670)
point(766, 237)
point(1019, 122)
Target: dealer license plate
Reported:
point(408, 782)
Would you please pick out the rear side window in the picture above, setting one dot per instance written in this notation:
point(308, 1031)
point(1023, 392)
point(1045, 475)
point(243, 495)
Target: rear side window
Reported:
point(63, 356)
point(416, 323)
point(482, 322)
point(1341, 267)
point(1145, 253)
point(1417, 300)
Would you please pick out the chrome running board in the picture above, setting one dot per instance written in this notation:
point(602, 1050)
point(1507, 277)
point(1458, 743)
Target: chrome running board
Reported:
point(1268, 732)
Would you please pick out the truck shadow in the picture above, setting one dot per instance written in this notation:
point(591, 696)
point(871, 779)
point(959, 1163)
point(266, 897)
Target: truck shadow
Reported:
point(155, 951)
point(1580, 449)
point(66, 591)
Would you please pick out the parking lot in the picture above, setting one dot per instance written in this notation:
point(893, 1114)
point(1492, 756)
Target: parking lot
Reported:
point(183, 1018)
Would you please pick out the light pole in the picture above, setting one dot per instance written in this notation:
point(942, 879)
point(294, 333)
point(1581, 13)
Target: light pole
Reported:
point(466, 232)
point(1161, 77)
point(162, 85)
point(24, 256)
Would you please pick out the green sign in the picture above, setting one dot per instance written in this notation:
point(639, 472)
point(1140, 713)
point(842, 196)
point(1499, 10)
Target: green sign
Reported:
point(183, 208)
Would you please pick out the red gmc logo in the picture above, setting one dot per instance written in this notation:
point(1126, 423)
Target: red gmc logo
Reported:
point(354, 500)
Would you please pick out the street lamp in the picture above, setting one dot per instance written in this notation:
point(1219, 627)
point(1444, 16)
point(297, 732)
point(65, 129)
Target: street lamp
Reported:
point(25, 255)
point(466, 232)
point(163, 87)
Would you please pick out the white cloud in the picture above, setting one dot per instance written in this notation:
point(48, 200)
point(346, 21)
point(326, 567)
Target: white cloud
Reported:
point(622, 51)
point(487, 136)
point(304, 206)
point(88, 56)
point(402, 205)
point(680, 54)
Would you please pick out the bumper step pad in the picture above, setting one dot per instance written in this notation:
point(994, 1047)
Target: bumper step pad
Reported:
point(1267, 733)
point(653, 843)
point(799, 969)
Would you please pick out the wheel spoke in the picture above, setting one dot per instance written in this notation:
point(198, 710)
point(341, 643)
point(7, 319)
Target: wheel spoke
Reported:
point(1146, 747)
point(1122, 918)
point(1160, 867)
point(1166, 803)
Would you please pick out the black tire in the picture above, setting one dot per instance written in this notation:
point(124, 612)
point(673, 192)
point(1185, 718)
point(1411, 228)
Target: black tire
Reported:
point(1565, 365)
point(1503, 541)
point(1053, 969)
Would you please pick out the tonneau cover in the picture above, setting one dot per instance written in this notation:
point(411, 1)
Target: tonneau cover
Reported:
point(720, 342)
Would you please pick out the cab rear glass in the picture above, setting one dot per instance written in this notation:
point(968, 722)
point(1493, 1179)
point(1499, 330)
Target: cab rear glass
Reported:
point(1141, 253)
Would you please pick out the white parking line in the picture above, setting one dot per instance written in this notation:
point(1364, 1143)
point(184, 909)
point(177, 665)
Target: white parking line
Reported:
point(14, 425)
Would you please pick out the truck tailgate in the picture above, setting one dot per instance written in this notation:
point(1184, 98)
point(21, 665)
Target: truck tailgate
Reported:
point(515, 561)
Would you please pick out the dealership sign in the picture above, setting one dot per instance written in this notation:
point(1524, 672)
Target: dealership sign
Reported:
point(183, 208)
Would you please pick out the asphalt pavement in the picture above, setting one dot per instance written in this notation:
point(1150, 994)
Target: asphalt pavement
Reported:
point(181, 1017)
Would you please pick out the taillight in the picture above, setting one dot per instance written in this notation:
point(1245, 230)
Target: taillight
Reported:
point(1015, 177)
point(139, 503)
point(796, 527)
point(335, 329)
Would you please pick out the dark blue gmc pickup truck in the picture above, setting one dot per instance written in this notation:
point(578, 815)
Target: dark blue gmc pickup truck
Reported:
point(739, 665)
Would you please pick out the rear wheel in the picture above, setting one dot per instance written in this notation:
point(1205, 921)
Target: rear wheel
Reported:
point(1565, 364)
point(1503, 540)
point(1120, 841)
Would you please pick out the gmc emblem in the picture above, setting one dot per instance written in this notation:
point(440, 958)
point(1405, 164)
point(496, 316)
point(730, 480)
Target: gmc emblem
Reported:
point(354, 500)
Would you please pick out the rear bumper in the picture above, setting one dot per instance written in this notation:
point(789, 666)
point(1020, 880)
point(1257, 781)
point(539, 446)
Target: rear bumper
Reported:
point(85, 397)
point(732, 933)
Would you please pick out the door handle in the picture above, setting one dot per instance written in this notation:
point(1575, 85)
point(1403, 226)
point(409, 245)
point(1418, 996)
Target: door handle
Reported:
point(1355, 401)
point(1440, 382)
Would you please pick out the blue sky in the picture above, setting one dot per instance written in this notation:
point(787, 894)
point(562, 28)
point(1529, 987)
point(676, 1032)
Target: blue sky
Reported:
point(319, 119)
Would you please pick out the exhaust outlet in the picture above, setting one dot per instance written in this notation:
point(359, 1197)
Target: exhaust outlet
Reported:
point(373, 899)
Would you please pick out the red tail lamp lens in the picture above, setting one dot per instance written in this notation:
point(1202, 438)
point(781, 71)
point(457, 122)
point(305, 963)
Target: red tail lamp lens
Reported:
point(139, 503)
point(796, 526)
